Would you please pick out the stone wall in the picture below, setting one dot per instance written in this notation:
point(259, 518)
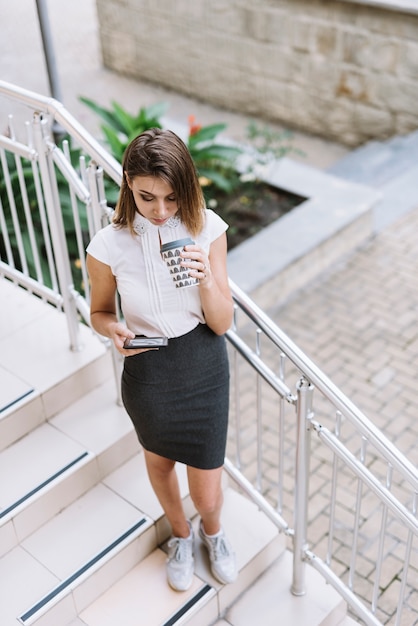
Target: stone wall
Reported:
point(343, 71)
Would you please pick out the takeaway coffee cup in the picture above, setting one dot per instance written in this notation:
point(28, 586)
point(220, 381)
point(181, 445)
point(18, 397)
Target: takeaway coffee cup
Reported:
point(171, 254)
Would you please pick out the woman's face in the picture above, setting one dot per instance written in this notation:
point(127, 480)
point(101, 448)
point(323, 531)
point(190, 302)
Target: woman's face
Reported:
point(154, 198)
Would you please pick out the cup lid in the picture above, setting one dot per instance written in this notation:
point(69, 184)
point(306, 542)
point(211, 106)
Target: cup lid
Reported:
point(178, 243)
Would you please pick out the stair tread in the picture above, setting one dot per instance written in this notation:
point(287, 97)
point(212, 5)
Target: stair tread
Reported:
point(45, 451)
point(249, 531)
point(95, 420)
point(272, 592)
point(12, 390)
point(67, 455)
point(73, 537)
point(44, 340)
point(34, 332)
point(90, 425)
point(135, 595)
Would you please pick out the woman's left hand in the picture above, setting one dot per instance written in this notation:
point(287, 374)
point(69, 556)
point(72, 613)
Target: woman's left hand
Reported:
point(197, 262)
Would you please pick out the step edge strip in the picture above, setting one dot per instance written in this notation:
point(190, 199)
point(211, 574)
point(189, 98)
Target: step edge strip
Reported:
point(45, 483)
point(206, 589)
point(23, 619)
point(4, 408)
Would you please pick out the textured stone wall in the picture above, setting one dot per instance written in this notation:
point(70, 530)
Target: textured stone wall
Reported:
point(343, 71)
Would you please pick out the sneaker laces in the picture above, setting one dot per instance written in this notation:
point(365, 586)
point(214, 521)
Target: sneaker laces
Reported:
point(219, 548)
point(180, 549)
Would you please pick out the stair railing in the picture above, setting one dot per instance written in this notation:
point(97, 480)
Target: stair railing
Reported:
point(346, 499)
point(361, 511)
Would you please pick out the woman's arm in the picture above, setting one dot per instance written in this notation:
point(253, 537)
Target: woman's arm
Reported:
point(103, 305)
point(215, 295)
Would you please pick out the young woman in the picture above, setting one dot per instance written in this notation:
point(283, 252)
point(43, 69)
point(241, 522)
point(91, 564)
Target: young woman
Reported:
point(177, 396)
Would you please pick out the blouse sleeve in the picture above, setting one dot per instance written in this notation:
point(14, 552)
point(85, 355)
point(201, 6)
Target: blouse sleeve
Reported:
point(215, 225)
point(97, 247)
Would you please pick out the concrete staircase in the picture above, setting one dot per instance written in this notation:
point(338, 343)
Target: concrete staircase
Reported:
point(81, 533)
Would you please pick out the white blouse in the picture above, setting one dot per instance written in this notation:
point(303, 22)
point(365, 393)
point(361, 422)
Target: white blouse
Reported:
point(151, 304)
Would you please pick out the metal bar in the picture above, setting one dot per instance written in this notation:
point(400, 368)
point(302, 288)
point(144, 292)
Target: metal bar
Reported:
point(44, 226)
point(333, 499)
point(63, 163)
point(77, 225)
point(326, 387)
point(303, 410)
point(58, 238)
point(6, 238)
point(11, 145)
point(268, 375)
point(379, 559)
point(280, 464)
point(13, 213)
point(48, 48)
point(343, 590)
point(408, 549)
point(382, 493)
point(237, 397)
point(357, 518)
point(259, 415)
point(256, 497)
point(69, 123)
point(28, 218)
point(31, 285)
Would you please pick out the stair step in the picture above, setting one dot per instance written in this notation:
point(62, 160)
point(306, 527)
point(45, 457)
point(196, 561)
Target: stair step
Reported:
point(81, 551)
point(257, 544)
point(376, 163)
point(43, 375)
point(67, 456)
point(320, 606)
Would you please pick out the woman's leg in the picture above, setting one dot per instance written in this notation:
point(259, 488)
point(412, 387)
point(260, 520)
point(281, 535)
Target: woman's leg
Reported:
point(206, 493)
point(163, 478)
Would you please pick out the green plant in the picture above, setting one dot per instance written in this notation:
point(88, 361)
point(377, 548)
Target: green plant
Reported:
point(215, 162)
point(267, 145)
point(121, 127)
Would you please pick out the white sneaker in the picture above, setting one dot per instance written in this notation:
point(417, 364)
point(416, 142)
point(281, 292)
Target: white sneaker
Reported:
point(180, 562)
point(222, 558)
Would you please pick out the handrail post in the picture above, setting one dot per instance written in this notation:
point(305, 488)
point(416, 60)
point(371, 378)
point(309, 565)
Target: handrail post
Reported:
point(57, 230)
point(304, 415)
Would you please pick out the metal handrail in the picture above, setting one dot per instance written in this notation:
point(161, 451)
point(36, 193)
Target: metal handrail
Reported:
point(68, 122)
point(325, 385)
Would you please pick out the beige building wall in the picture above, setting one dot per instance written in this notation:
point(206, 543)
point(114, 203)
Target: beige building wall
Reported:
point(341, 70)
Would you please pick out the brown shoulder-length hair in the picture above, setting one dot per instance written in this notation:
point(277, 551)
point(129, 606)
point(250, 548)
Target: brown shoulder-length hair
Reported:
point(161, 153)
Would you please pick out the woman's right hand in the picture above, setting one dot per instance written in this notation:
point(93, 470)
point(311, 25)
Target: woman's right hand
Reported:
point(119, 333)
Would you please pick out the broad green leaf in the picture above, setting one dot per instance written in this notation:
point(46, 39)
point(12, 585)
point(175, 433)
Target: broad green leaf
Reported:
point(108, 116)
point(126, 121)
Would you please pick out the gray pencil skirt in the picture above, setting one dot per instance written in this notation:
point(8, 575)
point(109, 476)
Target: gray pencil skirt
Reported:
point(178, 398)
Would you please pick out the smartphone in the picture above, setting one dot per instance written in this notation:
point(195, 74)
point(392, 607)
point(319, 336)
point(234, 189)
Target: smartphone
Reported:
point(145, 342)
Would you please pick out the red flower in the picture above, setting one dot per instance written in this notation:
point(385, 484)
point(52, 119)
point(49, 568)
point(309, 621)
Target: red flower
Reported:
point(193, 127)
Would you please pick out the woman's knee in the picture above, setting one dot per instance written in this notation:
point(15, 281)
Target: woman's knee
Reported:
point(158, 466)
point(206, 491)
